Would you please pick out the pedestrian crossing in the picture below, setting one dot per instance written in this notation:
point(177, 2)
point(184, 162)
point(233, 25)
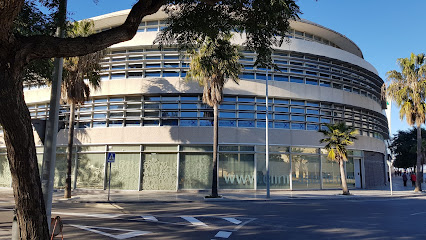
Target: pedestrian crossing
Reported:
point(225, 223)
point(203, 221)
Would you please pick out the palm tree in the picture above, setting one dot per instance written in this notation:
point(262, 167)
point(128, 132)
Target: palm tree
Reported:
point(212, 66)
point(78, 71)
point(337, 137)
point(408, 89)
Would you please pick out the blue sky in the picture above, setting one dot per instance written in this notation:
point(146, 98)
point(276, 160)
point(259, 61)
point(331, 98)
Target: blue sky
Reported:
point(383, 29)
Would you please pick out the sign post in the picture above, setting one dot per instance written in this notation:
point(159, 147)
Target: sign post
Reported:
point(110, 159)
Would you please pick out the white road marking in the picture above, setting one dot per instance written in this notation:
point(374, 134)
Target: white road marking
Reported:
point(128, 234)
point(194, 221)
point(233, 220)
point(150, 218)
point(95, 215)
point(223, 234)
point(417, 213)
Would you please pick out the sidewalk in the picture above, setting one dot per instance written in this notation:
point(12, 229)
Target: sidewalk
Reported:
point(101, 196)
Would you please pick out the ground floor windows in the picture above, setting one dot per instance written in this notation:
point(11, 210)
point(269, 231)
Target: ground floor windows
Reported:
point(189, 167)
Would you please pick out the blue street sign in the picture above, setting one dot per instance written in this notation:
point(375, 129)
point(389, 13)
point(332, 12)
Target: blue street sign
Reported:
point(111, 157)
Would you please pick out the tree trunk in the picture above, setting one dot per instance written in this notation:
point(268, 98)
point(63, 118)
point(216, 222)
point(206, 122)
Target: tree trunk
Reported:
point(419, 159)
point(343, 177)
point(19, 139)
point(67, 193)
point(215, 146)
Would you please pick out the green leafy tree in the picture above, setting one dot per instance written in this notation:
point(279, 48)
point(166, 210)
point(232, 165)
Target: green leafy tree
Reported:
point(212, 66)
point(264, 24)
point(337, 137)
point(78, 70)
point(403, 147)
point(408, 89)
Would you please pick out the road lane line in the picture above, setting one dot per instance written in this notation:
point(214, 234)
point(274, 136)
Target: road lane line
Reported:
point(95, 215)
point(240, 226)
point(233, 220)
point(194, 221)
point(417, 213)
point(150, 218)
point(223, 234)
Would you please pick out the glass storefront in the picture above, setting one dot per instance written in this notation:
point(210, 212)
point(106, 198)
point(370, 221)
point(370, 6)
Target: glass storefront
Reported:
point(195, 170)
point(236, 171)
point(305, 171)
point(186, 167)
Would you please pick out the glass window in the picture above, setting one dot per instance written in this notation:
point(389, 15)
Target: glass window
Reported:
point(279, 171)
point(284, 125)
point(227, 106)
point(330, 173)
point(306, 171)
point(246, 75)
point(206, 123)
point(262, 124)
point(245, 107)
point(245, 123)
point(169, 114)
point(312, 127)
point(195, 170)
point(159, 171)
point(298, 117)
point(149, 114)
point(227, 115)
point(296, 79)
point(236, 171)
point(188, 114)
point(312, 119)
point(311, 81)
point(134, 74)
point(190, 122)
point(170, 106)
point(151, 122)
point(227, 123)
point(281, 117)
point(245, 99)
point(298, 126)
point(130, 123)
point(281, 101)
point(246, 115)
point(188, 106)
point(152, 74)
point(91, 170)
point(278, 77)
point(170, 74)
point(297, 110)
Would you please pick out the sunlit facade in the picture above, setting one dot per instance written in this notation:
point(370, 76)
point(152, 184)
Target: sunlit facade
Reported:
point(162, 133)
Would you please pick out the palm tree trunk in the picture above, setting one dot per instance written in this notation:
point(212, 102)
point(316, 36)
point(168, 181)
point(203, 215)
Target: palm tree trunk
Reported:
point(419, 159)
point(343, 177)
point(67, 193)
point(215, 146)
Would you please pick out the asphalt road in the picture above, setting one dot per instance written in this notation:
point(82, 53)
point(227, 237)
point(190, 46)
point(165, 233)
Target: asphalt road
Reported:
point(291, 219)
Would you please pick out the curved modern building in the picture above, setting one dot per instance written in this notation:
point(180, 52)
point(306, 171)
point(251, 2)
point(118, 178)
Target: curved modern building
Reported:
point(162, 133)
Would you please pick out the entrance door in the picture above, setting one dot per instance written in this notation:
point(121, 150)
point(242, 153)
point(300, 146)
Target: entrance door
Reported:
point(357, 172)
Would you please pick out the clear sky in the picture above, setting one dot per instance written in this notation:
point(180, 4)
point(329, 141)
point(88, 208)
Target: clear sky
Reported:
point(384, 30)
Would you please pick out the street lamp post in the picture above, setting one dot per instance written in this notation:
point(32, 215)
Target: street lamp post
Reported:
point(268, 195)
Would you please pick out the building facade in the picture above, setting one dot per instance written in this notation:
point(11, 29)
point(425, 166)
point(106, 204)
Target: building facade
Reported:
point(162, 133)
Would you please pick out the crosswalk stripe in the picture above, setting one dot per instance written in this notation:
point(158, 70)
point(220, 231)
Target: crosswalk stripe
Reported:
point(194, 221)
point(150, 218)
point(233, 220)
point(223, 234)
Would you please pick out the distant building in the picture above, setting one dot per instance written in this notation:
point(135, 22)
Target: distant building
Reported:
point(161, 131)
